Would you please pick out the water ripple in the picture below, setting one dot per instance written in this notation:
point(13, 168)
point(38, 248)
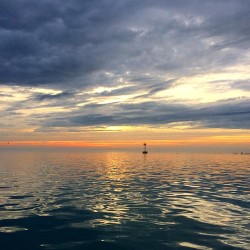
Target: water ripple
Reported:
point(76, 200)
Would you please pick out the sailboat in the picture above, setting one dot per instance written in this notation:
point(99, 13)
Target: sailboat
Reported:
point(145, 149)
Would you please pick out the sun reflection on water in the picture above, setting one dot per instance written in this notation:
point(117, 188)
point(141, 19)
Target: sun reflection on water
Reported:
point(162, 197)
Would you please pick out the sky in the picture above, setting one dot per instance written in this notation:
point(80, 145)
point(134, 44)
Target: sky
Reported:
point(108, 73)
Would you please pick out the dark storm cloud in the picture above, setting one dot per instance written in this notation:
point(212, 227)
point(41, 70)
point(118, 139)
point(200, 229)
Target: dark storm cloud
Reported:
point(121, 91)
point(81, 121)
point(160, 86)
point(227, 114)
point(73, 42)
point(46, 97)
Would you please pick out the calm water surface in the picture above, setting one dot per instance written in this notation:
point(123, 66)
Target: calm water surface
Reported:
point(114, 200)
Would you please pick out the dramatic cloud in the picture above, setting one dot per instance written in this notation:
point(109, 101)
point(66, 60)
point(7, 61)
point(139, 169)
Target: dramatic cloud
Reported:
point(63, 95)
point(55, 42)
point(229, 114)
point(72, 63)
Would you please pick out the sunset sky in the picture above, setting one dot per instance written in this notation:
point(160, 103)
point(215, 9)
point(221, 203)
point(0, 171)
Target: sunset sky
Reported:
point(101, 73)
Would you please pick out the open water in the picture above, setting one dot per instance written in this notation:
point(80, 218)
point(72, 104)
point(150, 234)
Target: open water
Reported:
point(119, 200)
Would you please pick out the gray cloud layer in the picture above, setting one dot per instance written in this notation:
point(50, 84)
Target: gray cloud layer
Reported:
point(228, 114)
point(55, 42)
point(70, 44)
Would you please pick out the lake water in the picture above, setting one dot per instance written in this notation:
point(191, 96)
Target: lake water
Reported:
point(120, 200)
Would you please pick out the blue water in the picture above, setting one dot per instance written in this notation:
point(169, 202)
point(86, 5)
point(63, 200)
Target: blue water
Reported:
point(115, 200)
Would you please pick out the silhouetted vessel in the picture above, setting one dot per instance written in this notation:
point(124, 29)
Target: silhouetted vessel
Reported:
point(145, 149)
